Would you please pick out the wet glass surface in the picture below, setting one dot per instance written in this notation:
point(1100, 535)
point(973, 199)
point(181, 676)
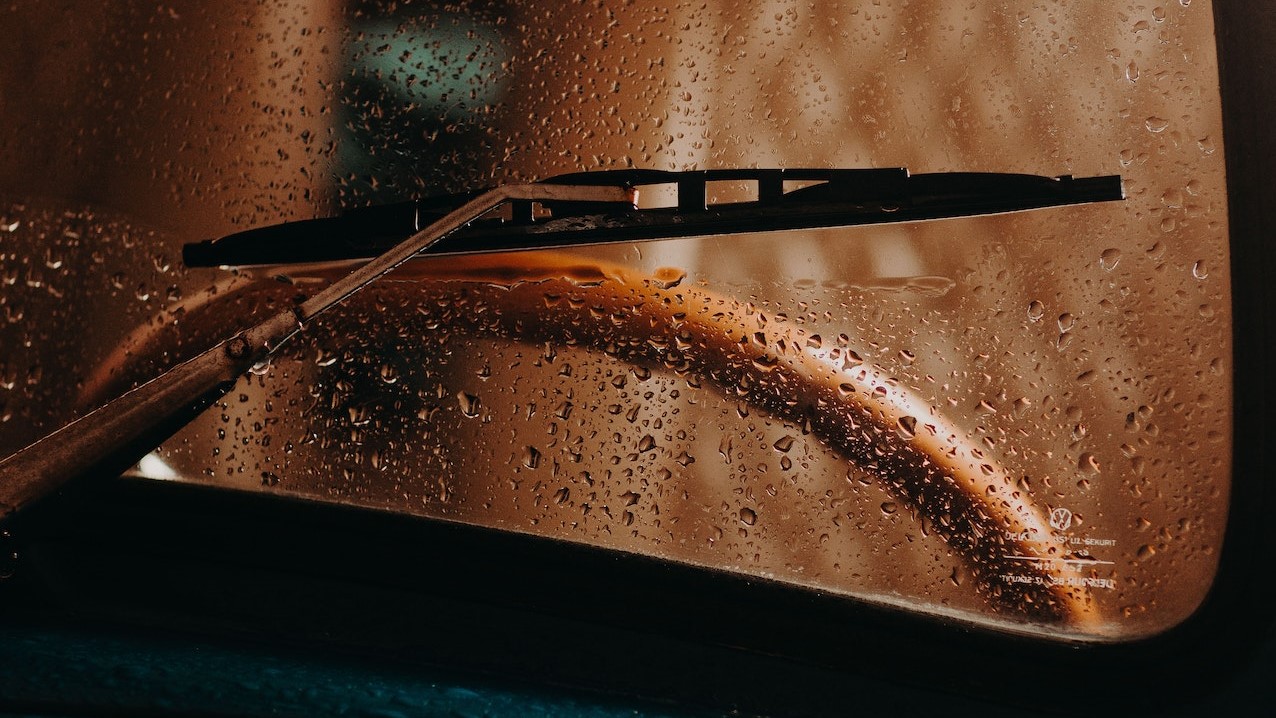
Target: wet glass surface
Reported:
point(1021, 420)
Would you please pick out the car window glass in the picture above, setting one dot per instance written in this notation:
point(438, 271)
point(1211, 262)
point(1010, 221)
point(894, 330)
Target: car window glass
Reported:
point(1020, 420)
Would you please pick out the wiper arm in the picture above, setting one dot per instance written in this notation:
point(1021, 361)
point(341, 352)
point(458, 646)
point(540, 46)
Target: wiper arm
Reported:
point(786, 199)
point(118, 434)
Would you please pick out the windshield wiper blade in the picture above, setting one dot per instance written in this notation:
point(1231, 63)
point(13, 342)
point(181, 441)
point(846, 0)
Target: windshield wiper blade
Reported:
point(786, 199)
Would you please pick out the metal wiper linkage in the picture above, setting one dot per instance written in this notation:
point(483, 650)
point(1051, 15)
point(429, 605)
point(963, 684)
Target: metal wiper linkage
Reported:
point(569, 210)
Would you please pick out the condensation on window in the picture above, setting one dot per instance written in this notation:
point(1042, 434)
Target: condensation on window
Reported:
point(1021, 421)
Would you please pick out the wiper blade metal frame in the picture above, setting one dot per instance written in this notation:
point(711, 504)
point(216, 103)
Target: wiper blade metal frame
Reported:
point(825, 198)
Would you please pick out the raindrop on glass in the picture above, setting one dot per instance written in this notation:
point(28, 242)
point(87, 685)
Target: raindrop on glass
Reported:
point(469, 404)
point(1109, 259)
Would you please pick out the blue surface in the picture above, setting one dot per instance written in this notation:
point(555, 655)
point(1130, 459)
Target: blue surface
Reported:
point(52, 671)
point(59, 669)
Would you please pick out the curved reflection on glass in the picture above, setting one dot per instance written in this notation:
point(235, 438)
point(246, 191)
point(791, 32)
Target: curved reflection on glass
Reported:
point(826, 439)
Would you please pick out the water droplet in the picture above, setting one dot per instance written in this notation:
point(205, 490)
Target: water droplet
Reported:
point(907, 426)
point(784, 443)
point(261, 368)
point(1199, 269)
point(1110, 258)
point(1156, 124)
point(1036, 310)
point(725, 447)
point(668, 277)
point(469, 404)
point(748, 516)
point(531, 457)
point(1066, 322)
point(389, 374)
point(889, 507)
point(1088, 463)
